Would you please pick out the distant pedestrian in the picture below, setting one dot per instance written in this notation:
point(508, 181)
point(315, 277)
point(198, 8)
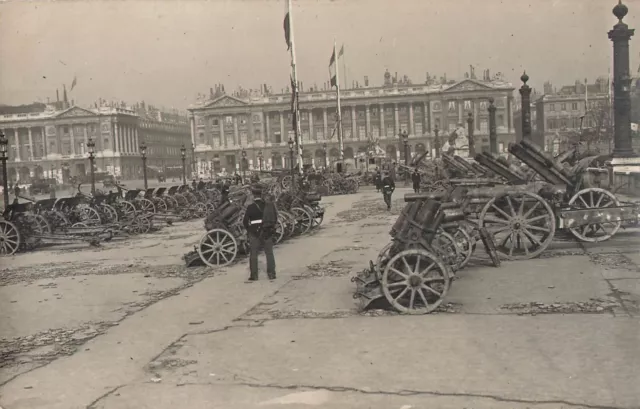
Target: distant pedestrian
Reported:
point(377, 180)
point(415, 178)
point(260, 221)
point(16, 190)
point(388, 186)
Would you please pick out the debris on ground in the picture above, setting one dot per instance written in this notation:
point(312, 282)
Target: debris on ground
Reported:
point(593, 306)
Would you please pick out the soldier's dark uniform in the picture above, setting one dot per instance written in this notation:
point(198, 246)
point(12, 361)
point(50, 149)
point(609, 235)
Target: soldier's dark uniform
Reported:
point(388, 186)
point(415, 178)
point(259, 235)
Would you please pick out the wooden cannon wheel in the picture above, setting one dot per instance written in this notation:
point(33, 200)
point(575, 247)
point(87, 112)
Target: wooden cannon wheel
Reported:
point(446, 248)
point(592, 198)
point(146, 205)
point(141, 224)
point(304, 220)
point(109, 213)
point(89, 215)
point(128, 210)
point(383, 256)
point(415, 281)
point(58, 220)
point(280, 231)
point(466, 245)
point(160, 204)
point(522, 224)
point(218, 248)
point(200, 209)
point(10, 238)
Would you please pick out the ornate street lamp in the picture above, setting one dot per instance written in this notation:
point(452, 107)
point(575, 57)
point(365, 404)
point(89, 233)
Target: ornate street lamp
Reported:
point(183, 153)
point(143, 153)
point(4, 156)
point(472, 146)
point(405, 142)
point(493, 133)
point(91, 145)
point(242, 163)
point(324, 149)
point(291, 157)
point(259, 160)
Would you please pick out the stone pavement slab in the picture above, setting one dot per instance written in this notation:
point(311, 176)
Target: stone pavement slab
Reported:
point(590, 360)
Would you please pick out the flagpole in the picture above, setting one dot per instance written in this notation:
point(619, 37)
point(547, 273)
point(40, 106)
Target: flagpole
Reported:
point(296, 129)
point(344, 68)
point(340, 142)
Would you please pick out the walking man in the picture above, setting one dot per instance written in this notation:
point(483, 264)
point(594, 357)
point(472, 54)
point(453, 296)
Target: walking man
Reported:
point(415, 178)
point(377, 180)
point(260, 222)
point(388, 186)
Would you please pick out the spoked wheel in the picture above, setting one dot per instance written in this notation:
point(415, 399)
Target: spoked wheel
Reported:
point(146, 206)
point(110, 214)
point(141, 224)
point(89, 216)
point(522, 224)
point(591, 198)
point(286, 182)
point(304, 221)
point(445, 246)
point(160, 205)
point(200, 209)
point(415, 281)
point(210, 207)
point(289, 223)
point(80, 225)
point(218, 248)
point(128, 210)
point(43, 224)
point(10, 239)
point(383, 256)
point(465, 244)
point(280, 229)
point(180, 200)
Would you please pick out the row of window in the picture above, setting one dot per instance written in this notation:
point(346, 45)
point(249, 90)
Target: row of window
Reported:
point(575, 106)
point(569, 123)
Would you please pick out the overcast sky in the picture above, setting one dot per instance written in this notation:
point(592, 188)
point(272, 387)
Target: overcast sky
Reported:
point(165, 52)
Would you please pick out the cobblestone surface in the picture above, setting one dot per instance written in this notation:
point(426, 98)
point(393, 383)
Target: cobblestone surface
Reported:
point(369, 209)
point(330, 269)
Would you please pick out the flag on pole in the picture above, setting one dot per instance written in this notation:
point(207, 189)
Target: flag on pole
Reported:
point(287, 30)
point(341, 51)
point(295, 104)
point(333, 64)
point(73, 83)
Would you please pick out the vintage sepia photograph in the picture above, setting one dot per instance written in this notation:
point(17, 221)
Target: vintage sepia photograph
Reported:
point(198, 204)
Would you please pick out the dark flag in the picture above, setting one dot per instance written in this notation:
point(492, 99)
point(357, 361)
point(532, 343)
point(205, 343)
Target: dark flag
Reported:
point(332, 63)
point(287, 31)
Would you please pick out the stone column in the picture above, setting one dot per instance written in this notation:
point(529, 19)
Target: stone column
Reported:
point(325, 123)
point(136, 146)
point(30, 144)
point(525, 92)
point(236, 134)
point(510, 113)
point(267, 122)
point(223, 137)
point(44, 142)
point(396, 119)
point(116, 136)
point(412, 129)
point(493, 134)
point(620, 36)
point(192, 123)
point(383, 129)
point(283, 136)
point(16, 137)
point(72, 140)
point(460, 110)
point(426, 117)
point(367, 115)
point(86, 138)
point(354, 125)
point(474, 107)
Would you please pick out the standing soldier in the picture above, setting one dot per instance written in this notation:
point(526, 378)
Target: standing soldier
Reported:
point(388, 186)
point(415, 178)
point(260, 222)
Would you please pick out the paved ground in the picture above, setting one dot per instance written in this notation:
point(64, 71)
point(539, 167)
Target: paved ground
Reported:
point(128, 326)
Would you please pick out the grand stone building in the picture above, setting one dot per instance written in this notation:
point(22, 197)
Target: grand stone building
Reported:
point(52, 142)
point(261, 125)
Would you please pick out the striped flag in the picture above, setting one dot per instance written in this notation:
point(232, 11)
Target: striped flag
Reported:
point(333, 63)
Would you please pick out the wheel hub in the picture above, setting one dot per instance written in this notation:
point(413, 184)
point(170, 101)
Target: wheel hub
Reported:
point(517, 223)
point(415, 281)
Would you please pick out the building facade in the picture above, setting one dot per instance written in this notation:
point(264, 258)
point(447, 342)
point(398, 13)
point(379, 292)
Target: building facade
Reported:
point(223, 127)
point(52, 143)
point(579, 112)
